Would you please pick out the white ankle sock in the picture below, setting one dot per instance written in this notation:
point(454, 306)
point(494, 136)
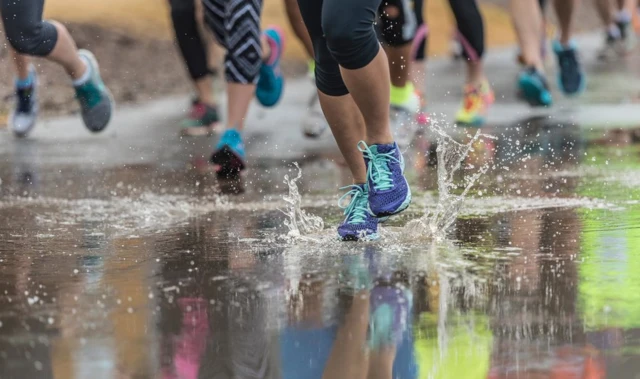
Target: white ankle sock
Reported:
point(86, 76)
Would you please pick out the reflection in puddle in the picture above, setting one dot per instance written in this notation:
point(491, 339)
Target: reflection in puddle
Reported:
point(537, 277)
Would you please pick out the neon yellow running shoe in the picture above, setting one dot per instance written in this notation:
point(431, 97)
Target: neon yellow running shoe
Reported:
point(475, 104)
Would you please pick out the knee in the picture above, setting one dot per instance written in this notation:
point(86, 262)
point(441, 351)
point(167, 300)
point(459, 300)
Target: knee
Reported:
point(31, 38)
point(352, 42)
point(327, 72)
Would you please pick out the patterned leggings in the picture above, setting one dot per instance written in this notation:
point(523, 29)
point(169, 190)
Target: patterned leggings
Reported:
point(236, 25)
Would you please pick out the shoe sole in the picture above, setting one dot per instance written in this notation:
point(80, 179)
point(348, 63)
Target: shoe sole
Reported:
point(94, 62)
point(476, 123)
point(229, 164)
point(352, 238)
point(405, 204)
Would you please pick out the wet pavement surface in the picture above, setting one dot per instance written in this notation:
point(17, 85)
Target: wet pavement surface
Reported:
point(122, 256)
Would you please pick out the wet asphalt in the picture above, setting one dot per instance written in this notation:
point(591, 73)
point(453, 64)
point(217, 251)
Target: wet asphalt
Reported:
point(123, 256)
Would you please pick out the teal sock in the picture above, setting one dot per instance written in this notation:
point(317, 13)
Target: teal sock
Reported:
point(27, 82)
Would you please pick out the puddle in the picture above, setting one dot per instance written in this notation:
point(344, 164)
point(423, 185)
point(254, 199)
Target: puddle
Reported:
point(535, 275)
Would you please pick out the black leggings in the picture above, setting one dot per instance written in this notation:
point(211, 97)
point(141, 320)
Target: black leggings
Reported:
point(343, 34)
point(194, 53)
point(24, 28)
point(470, 28)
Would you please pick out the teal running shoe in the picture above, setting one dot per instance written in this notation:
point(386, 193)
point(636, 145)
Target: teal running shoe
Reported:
point(534, 88)
point(571, 78)
point(229, 155)
point(359, 224)
point(96, 102)
point(271, 82)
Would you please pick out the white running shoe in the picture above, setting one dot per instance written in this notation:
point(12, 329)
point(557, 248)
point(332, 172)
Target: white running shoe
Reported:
point(24, 115)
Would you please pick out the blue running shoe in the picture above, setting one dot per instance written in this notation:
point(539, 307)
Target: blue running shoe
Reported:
point(534, 88)
point(571, 79)
point(359, 224)
point(271, 81)
point(390, 311)
point(229, 156)
point(389, 191)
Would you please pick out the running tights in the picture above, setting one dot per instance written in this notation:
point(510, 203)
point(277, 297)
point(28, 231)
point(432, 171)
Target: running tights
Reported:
point(194, 53)
point(470, 29)
point(236, 25)
point(343, 34)
point(24, 28)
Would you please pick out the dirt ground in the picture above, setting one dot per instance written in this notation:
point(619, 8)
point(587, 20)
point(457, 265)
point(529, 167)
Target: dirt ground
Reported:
point(134, 44)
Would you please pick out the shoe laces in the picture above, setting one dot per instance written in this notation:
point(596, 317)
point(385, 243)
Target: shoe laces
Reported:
point(88, 94)
point(357, 209)
point(378, 171)
point(25, 103)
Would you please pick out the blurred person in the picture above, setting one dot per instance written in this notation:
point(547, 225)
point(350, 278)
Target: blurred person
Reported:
point(25, 113)
point(371, 337)
point(477, 95)
point(532, 81)
point(397, 28)
point(619, 32)
point(469, 37)
point(353, 82)
point(252, 68)
point(203, 115)
point(29, 35)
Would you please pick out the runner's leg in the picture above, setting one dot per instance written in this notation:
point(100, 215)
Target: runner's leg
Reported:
point(297, 24)
point(28, 34)
point(192, 47)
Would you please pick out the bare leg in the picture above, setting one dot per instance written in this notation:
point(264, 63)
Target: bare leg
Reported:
point(399, 64)
point(527, 21)
point(239, 97)
point(349, 358)
point(297, 24)
point(204, 91)
point(604, 11)
point(370, 89)
point(65, 53)
point(564, 11)
point(348, 129)
point(475, 72)
point(381, 363)
point(21, 63)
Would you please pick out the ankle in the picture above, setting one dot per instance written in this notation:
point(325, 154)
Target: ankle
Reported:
point(26, 82)
point(82, 74)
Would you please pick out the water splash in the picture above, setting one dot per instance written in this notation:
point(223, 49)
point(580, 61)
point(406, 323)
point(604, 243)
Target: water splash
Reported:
point(451, 155)
point(298, 221)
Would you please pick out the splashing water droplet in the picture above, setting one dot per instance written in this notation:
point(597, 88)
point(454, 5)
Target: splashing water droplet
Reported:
point(298, 221)
point(451, 155)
